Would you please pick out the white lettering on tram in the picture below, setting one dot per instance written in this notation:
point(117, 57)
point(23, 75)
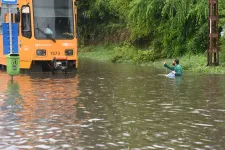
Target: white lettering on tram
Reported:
point(67, 44)
point(43, 45)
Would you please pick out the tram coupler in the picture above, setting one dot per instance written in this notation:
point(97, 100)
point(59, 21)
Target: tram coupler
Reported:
point(59, 63)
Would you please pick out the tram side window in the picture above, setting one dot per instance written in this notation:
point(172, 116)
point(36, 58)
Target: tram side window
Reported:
point(26, 22)
point(75, 15)
point(17, 16)
point(17, 19)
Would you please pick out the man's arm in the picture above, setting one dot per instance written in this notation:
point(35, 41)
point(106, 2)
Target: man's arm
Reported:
point(169, 67)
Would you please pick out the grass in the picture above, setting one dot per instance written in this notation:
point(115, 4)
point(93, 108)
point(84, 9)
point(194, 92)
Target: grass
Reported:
point(124, 54)
point(101, 53)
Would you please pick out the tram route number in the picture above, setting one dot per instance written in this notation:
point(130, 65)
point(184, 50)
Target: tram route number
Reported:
point(55, 53)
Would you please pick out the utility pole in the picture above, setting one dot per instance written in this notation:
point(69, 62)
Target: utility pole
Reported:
point(213, 49)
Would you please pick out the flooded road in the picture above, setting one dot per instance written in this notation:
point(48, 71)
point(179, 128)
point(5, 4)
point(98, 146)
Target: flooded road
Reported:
point(112, 106)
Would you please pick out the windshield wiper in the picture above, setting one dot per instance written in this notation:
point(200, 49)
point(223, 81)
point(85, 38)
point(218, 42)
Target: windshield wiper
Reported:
point(47, 35)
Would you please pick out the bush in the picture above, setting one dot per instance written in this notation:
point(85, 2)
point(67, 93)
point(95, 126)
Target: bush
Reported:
point(128, 53)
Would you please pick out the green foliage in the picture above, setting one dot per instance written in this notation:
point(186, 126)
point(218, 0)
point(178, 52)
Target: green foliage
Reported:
point(222, 51)
point(170, 28)
point(128, 53)
point(99, 52)
point(97, 22)
point(197, 63)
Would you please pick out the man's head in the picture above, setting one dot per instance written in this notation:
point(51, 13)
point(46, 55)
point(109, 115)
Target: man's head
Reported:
point(176, 62)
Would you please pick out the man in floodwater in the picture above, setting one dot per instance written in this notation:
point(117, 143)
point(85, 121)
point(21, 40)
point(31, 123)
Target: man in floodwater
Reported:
point(176, 68)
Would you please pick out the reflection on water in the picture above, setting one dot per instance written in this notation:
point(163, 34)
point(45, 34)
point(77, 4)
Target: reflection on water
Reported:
point(39, 111)
point(112, 106)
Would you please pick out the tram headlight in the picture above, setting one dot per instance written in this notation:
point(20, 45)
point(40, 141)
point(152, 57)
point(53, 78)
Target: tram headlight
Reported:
point(69, 52)
point(40, 52)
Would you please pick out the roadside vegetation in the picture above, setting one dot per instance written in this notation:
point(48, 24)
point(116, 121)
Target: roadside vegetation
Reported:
point(128, 54)
point(147, 32)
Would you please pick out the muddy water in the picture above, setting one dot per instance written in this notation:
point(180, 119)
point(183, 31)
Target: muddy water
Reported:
point(112, 106)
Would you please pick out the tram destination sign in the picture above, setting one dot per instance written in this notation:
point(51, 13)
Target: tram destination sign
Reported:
point(9, 1)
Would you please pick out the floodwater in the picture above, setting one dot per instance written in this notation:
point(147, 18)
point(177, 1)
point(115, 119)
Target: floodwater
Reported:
point(112, 106)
